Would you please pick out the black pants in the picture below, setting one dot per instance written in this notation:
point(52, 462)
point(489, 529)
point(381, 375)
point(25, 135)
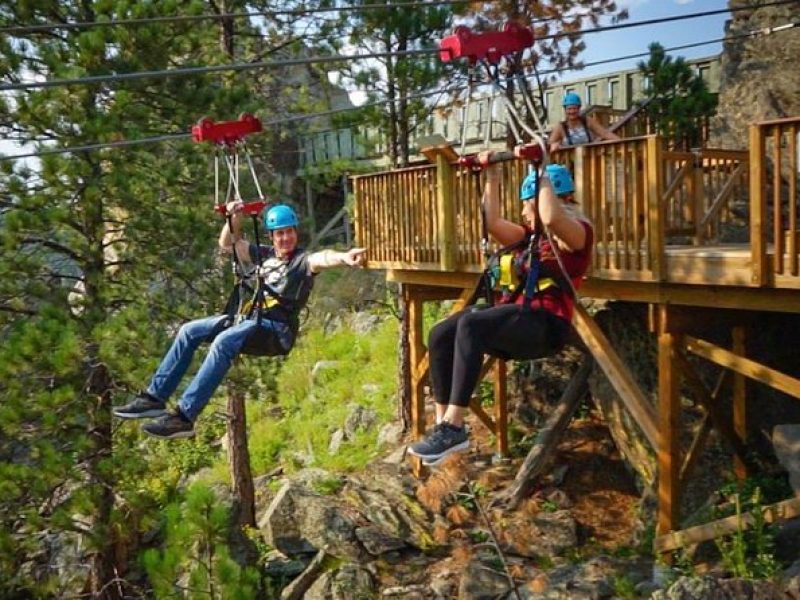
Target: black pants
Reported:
point(456, 345)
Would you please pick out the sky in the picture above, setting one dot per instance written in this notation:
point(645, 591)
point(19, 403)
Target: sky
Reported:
point(635, 40)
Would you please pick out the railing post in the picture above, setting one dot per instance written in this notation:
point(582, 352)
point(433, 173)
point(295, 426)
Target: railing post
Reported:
point(655, 212)
point(758, 208)
point(698, 193)
point(446, 213)
point(582, 187)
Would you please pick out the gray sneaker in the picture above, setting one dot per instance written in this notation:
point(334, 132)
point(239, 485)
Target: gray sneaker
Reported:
point(169, 427)
point(142, 406)
point(445, 439)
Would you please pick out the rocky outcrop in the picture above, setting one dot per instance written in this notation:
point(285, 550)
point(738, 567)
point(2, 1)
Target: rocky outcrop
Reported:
point(760, 79)
point(710, 588)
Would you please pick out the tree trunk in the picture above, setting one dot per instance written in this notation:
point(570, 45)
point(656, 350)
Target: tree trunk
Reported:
point(404, 366)
point(239, 459)
point(101, 560)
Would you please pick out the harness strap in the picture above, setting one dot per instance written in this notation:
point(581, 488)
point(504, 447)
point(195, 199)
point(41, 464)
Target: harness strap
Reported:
point(584, 123)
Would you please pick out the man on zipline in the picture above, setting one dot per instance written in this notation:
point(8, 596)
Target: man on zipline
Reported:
point(287, 273)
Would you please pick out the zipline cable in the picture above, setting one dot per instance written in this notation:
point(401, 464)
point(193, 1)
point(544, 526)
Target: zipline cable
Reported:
point(28, 85)
point(236, 67)
point(44, 27)
point(659, 20)
point(304, 117)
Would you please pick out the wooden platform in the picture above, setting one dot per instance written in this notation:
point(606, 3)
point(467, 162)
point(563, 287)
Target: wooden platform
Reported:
point(422, 226)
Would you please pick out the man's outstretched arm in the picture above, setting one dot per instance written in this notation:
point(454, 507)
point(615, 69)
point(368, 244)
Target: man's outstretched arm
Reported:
point(327, 259)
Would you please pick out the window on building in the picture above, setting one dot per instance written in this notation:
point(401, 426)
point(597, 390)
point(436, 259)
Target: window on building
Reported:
point(614, 93)
point(704, 71)
point(591, 94)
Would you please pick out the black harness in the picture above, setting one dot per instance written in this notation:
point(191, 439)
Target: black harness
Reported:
point(263, 302)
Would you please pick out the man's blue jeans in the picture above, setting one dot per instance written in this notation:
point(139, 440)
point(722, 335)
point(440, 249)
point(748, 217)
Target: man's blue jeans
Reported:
point(219, 359)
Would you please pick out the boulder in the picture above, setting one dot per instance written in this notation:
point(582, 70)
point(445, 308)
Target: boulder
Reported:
point(299, 521)
point(360, 418)
point(709, 588)
point(385, 498)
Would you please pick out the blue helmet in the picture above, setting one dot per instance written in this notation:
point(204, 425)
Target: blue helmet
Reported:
point(279, 217)
point(559, 176)
point(571, 99)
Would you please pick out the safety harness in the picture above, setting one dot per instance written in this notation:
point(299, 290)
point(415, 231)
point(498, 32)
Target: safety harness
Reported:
point(584, 124)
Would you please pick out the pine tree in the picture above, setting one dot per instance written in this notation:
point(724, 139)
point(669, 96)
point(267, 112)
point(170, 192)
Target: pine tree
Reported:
point(393, 80)
point(679, 102)
point(195, 560)
point(101, 253)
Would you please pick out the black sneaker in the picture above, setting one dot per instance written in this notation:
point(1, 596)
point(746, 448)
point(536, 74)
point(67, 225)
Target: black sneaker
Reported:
point(170, 426)
point(445, 439)
point(142, 406)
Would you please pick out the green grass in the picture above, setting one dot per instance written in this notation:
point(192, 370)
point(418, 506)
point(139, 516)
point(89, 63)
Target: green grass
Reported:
point(313, 409)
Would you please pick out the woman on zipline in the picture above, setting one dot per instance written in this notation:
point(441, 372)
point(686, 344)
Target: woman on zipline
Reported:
point(288, 276)
point(532, 322)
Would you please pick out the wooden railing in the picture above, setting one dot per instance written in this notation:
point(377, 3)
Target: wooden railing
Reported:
point(618, 185)
point(702, 189)
point(774, 200)
point(641, 198)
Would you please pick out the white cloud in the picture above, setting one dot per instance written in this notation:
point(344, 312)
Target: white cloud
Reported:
point(683, 1)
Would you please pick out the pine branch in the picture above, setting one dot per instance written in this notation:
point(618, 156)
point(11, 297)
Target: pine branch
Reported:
point(495, 541)
point(18, 311)
point(33, 240)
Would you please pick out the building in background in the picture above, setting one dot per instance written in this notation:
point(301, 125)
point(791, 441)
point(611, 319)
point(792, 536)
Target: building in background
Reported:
point(617, 91)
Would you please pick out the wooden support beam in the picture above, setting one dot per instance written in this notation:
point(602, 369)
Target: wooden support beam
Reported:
point(780, 511)
point(417, 352)
point(702, 396)
point(603, 352)
point(669, 412)
point(461, 280)
point(548, 437)
point(698, 444)
point(483, 416)
point(501, 407)
point(740, 465)
point(745, 366)
point(714, 296)
point(695, 449)
point(474, 402)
